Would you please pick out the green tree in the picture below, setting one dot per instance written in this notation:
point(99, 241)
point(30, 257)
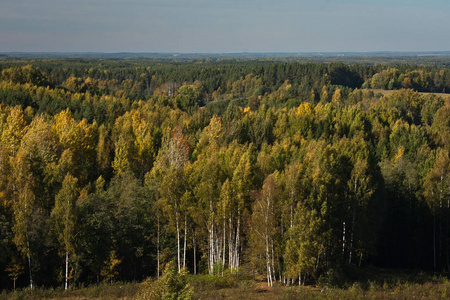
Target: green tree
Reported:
point(241, 185)
point(14, 129)
point(264, 226)
point(23, 207)
point(437, 195)
point(121, 162)
point(306, 243)
point(189, 97)
point(441, 126)
point(15, 269)
point(64, 215)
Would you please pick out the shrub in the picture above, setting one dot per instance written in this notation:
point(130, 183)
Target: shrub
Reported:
point(170, 286)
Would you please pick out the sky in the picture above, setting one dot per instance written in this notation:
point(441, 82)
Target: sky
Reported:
point(224, 26)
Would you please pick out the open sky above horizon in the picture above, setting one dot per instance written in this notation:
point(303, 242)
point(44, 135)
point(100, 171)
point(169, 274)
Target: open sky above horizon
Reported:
point(224, 26)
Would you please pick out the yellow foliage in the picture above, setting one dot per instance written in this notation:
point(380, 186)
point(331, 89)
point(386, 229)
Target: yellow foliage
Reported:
point(400, 153)
point(336, 99)
point(215, 127)
point(109, 270)
point(305, 109)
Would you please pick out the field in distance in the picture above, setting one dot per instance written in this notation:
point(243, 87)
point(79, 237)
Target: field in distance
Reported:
point(390, 92)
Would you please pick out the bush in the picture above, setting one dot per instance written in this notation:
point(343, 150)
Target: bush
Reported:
point(170, 286)
point(333, 278)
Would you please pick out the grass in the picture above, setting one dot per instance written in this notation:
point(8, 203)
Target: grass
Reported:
point(372, 284)
point(429, 290)
point(100, 291)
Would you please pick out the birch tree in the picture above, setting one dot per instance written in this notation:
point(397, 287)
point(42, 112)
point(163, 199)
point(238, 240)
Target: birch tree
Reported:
point(241, 185)
point(206, 179)
point(306, 243)
point(23, 207)
point(264, 227)
point(64, 215)
point(170, 170)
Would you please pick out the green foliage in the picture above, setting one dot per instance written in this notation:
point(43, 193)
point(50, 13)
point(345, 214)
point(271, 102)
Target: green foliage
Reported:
point(333, 278)
point(172, 285)
point(189, 97)
point(273, 168)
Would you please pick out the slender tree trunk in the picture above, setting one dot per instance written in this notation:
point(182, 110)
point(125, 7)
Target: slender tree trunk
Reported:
point(292, 216)
point(441, 193)
point(343, 237)
point(29, 262)
point(316, 266)
point(157, 244)
point(211, 248)
point(230, 244)
point(273, 264)
point(29, 268)
point(185, 235)
point(211, 239)
point(292, 205)
point(178, 239)
point(353, 223)
point(269, 275)
point(351, 239)
point(195, 252)
point(224, 244)
point(236, 255)
point(434, 242)
point(67, 270)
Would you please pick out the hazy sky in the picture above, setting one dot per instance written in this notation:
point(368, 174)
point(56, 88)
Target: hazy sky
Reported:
point(224, 25)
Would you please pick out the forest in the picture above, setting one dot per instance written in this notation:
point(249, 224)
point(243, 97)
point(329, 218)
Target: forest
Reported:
point(110, 169)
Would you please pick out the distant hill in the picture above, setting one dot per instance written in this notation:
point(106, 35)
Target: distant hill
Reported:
point(135, 55)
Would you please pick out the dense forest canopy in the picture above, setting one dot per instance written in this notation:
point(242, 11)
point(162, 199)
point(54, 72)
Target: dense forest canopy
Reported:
point(110, 169)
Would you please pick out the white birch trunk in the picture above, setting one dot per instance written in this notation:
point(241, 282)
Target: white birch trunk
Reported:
point(29, 262)
point(211, 249)
point(211, 238)
point(29, 268)
point(343, 237)
point(236, 254)
point(185, 235)
point(269, 272)
point(224, 244)
point(195, 252)
point(177, 221)
point(67, 270)
point(273, 263)
point(230, 244)
point(351, 239)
